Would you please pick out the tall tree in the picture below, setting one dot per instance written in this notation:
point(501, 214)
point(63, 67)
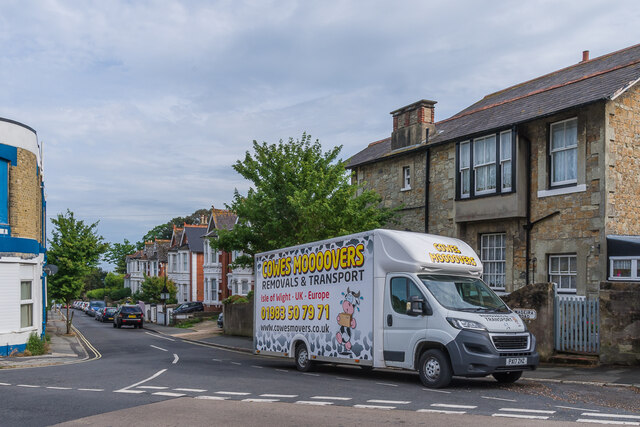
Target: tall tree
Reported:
point(152, 288)
point(76, 249)
point(94, 279)
point(117, 255)
point(299, 194)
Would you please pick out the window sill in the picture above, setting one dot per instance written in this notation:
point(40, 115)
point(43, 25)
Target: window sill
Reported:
point(405, 189)
point(564, 190)
point(624, 279)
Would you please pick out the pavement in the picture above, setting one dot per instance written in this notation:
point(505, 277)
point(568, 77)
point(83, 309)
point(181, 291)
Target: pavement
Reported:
point(66, 349)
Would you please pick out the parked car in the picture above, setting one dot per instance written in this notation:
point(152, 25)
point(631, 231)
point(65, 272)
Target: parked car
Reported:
point(220, 321)
point(128, 315)
point(108, 314)
point(189, 307)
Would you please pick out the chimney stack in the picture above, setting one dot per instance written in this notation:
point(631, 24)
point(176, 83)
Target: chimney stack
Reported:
point(585, 55)
point(411, 124)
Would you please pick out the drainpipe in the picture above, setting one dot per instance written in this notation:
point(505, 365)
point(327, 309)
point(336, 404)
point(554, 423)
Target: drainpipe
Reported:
point(426, 187)
point(527, 226)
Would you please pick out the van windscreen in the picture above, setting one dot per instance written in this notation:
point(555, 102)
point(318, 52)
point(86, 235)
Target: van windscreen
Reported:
point(463, 293)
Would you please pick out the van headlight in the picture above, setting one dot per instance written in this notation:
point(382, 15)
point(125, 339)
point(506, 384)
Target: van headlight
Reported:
point(466, 324)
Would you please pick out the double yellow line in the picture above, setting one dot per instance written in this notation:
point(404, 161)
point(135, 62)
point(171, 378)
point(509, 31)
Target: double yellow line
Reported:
point(85, 342)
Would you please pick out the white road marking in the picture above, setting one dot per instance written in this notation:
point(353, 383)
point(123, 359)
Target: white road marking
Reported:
point(532, 411)
point(159, 348)
point(436, 391)
point(529, 417)
point(129, 391)
point(233, 393)
point(160, 372)
point(211, 397)
point(311, 375)
point(191, 390)
point(282, 370)
point(175, 358)
point(631, 417)
point(168, 394)
point(577, 409)
point(236, 363)
point(90, 389)
point(257, 367)
point(217, 360)
point(330, 398)
point(388, 385)
point(279, 395)
point(616, 422)
point(390, 402)
point(446, 405)
point(315, 403)
point(498, 398)
point(27, 385)
point(260, 400)
point(153, 387)
point(344, 379)
point(59, 388)
point(5, 384)
point(374, 407)
point(159, 336)
point(442, 411)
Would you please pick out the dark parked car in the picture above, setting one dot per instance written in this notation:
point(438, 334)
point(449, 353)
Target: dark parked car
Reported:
point(106, 314)
point(128, 315)
point(189, 307)
point(220, 321)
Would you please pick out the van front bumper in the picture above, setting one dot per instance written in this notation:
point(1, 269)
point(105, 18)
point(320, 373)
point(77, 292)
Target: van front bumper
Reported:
point(473, 354)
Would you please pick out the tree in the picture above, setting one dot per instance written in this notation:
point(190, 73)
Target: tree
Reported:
point(117, 255)
point(94, 279)
point(76, 249)
point(152, 288)
point(299, 195)
point(114, 281)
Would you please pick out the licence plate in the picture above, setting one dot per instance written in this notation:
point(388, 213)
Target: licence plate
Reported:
point(516, 361)
point(132, 316)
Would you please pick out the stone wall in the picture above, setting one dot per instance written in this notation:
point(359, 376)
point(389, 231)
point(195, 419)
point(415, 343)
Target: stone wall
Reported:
point(539, 297)
point(620, 323)
point(442, 173)
point(623, 164)
point(238, 319)
point(25, 197)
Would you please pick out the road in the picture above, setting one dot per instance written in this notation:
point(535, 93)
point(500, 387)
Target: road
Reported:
point(137, 370)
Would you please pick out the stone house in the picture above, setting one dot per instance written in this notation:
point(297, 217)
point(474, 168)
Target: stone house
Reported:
point(220, 280)
point(537, 177)
point(150, 261)
point(23, 292)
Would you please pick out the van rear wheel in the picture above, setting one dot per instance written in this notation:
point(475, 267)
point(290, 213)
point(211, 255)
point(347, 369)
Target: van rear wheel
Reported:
point(303, 362)
point(434, 369)
point(507, 377)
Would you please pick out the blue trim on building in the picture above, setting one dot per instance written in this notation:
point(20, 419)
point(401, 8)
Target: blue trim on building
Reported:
point(6, 350)
point(9, 153)
point(21, 245)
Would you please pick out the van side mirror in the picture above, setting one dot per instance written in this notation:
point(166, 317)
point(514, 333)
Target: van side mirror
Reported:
point(416, 306)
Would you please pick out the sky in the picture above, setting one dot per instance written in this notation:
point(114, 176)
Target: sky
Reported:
point(142, 107)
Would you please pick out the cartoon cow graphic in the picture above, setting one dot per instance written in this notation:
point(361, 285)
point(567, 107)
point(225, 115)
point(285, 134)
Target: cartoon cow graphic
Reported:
point(346, 320)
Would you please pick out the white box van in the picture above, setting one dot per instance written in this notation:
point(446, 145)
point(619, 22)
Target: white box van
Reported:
point(385, 298)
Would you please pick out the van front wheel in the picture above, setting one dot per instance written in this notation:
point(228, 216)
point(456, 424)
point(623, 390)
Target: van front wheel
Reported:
point(434, 369)
point(303, 362)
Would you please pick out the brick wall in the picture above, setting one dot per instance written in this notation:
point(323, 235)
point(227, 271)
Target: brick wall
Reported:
point(623, 164)
point(25, 197)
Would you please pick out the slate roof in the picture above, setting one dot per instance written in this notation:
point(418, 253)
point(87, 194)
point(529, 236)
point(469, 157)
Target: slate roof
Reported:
point(587, 82)
point(193, 234)
point(221, 219)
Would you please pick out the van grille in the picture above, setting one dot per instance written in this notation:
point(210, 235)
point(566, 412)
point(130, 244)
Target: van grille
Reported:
point(511, 342)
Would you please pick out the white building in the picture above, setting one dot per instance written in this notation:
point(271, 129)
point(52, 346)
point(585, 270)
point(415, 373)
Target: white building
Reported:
point(22, 237)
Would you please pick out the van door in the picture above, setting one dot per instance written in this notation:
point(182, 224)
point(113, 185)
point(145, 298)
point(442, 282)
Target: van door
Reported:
point(401, 331)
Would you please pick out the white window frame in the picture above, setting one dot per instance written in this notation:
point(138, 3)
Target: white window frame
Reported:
point(406, 178)
point(487, 165)
point(213, 288)
point(27, 302)
point(556, 151)
point(494, 260)
point(635, 264)
point(504, 160)
point(560, 273)
point(185, 263)
point(465, 168)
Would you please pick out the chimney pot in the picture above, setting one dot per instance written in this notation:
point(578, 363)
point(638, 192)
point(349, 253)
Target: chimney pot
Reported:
point(585, 55)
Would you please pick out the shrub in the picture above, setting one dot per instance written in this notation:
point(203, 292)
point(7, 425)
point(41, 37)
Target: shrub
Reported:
point(235, 299)
point(95, 294)
point(250, 294)
point(119, 293)
point(35, 345)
